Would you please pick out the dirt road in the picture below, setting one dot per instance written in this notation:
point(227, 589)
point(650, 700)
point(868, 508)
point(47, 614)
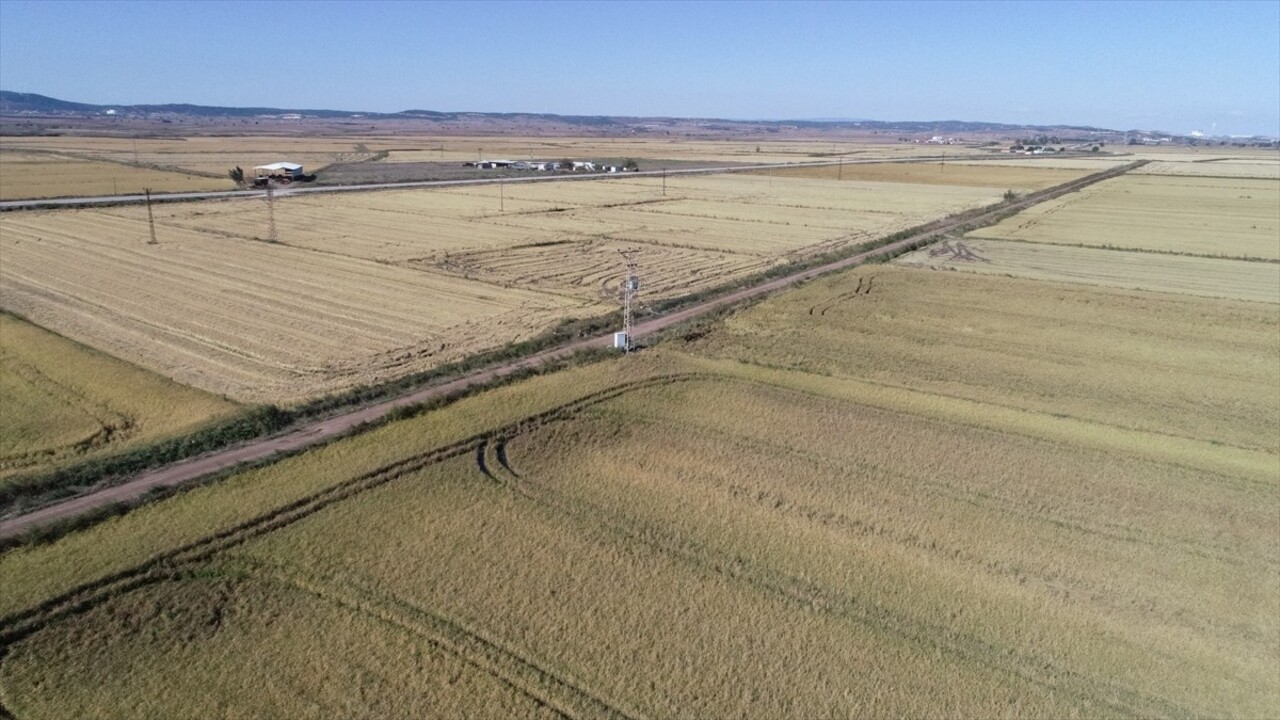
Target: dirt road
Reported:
point(323, 430)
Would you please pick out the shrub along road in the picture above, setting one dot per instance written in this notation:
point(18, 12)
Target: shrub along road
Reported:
point(329, 428)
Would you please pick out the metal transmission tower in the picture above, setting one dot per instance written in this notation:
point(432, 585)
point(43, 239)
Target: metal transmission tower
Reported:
point(271, 213)
point(630, 289)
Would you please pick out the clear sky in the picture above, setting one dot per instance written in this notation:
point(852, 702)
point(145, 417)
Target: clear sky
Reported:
point(1173, 66)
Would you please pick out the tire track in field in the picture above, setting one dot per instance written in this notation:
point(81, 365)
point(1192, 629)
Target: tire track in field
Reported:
point(1040, 671)
point(20, 624)
point(491, 657)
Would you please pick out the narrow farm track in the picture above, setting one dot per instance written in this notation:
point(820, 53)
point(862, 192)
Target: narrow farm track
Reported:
point(329, 428)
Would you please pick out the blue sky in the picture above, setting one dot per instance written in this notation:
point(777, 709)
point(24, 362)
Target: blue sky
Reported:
point(1175, 66)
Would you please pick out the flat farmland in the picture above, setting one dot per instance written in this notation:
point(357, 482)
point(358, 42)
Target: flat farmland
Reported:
point(1071, 162)
point(252, 320)
point(64, 402)
point(209, 155)
point(1209, 277)
point(1215, 217)
point(37, 175)
point(462, 149)
point(1218, 168)
point(36, 167)
point(1013, 176)
point(364, 287)
point(884, 493)
point(1049, 348)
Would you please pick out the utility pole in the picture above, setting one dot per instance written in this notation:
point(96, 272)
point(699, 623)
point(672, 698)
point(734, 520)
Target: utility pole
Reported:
point(664, 182)
point(151, 219)
point(271, 213)
point(840, 170)
point(502, 195)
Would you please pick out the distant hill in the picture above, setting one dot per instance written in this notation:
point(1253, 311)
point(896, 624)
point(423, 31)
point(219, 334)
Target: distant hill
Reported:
point(15, 103)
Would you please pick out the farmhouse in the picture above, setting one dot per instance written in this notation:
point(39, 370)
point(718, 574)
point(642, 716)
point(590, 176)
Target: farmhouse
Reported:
point(293, 171)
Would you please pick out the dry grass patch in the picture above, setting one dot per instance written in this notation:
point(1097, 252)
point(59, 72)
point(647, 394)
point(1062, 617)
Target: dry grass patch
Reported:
point(63, 402)
point(1208, 277)
point(1218, 217)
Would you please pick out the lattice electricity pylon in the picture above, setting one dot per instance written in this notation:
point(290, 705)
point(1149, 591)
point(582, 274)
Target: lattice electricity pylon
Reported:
point(630, 291)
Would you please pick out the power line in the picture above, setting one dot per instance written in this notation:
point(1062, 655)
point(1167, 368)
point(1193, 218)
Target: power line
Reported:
point(271, 213)
point(151, 219)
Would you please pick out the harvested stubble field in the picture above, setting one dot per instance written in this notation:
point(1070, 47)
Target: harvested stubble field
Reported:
point(38, 167)
point(207, 155)
point(252, 320)
point(1209, 277)
point(1217, 168)
point(462, 149)
point(36, 175)
point(63, 402)
point(1011, 176)
point(363, 287)
point(770, 522)
point(1072, 162)
point(1209, 216)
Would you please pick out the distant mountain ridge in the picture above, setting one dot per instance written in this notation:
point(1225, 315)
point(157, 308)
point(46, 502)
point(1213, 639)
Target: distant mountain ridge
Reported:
point(16, 103)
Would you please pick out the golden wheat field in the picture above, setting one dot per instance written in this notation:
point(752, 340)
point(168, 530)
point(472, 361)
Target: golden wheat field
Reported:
point(885, 493)
point(367, 286)
point(63, 402)
point(1210, 277)
point(1209, 216)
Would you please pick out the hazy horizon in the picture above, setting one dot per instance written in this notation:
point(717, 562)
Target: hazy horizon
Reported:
point(1174, 67)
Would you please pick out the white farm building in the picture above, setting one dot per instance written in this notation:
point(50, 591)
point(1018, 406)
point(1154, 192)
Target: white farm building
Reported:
point(293, 171)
